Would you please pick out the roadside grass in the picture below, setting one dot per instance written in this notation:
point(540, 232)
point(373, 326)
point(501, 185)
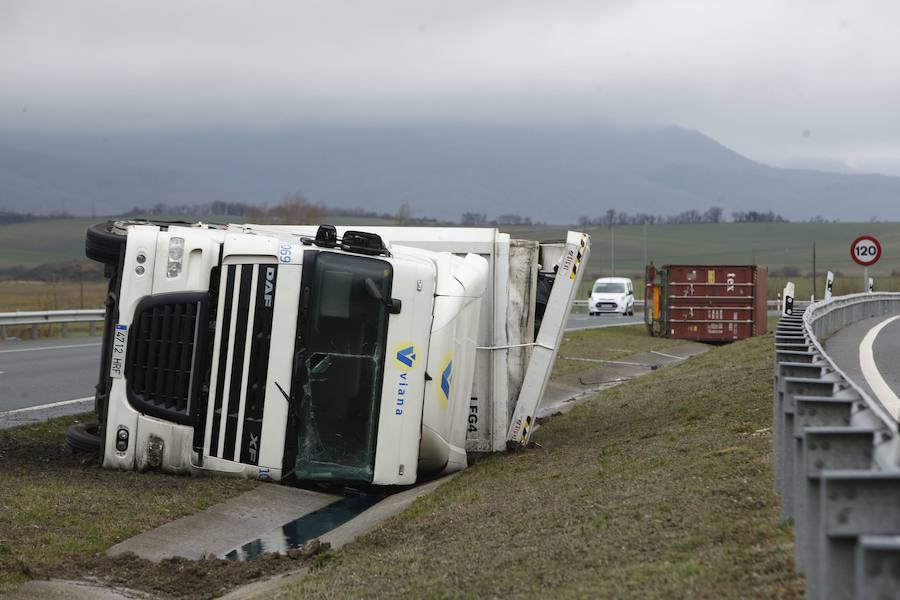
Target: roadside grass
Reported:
point(45, 295)
point(614, 343)
point(56, 506)
point(660, 487)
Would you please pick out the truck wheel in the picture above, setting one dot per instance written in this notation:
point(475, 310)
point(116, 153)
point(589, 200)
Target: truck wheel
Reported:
point(84, 438)
point(104, 242)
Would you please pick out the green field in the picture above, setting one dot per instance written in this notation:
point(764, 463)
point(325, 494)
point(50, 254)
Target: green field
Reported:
point(776, 245)
point(779, 246)
point(47, 241)
point(42, 242)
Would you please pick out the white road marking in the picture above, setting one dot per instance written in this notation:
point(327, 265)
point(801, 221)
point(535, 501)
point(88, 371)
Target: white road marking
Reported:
point(667, 355)
point(880, 388)
point(583, 327)
point(609, 362)
point(51, 348)
point(44, 406)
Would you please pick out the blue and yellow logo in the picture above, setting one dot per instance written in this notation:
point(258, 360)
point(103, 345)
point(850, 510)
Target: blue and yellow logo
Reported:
point(444, 381)
point(405, 356)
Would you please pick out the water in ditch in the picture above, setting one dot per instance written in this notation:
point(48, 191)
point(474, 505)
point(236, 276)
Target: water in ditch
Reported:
point(310, 526)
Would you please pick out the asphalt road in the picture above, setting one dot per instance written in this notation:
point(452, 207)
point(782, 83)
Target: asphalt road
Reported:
point(34, 373)
point(47, 371)
point(868, 351)
point(584, 321)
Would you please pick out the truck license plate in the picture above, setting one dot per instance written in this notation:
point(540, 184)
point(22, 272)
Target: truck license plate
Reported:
point(117, 356)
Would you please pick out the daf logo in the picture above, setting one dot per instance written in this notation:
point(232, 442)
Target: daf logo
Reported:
point(270, 286)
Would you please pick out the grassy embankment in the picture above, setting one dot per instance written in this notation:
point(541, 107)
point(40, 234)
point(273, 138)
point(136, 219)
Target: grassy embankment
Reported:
point(611, 343)
point(56, 506)
point(660, 487)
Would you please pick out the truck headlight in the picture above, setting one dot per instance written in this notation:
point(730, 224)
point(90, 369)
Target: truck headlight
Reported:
point(176, 256)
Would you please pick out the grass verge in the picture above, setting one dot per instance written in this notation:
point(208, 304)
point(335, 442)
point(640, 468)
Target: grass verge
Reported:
point(46, 295)
point(612, 344)
point(660, 487)
point(57, 507)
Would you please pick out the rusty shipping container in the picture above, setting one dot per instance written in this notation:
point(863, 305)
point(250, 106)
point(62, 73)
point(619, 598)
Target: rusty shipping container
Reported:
point(706, 303)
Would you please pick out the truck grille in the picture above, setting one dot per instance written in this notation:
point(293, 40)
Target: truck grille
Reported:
point(161, 357)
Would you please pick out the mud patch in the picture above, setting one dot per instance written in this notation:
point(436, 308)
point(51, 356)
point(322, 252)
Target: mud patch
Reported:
point(181, 578)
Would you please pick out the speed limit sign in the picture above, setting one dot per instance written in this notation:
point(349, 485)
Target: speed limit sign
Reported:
point(865, 250)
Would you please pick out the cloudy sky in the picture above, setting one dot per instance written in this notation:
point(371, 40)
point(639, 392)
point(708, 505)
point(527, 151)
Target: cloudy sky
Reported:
point(791, 82)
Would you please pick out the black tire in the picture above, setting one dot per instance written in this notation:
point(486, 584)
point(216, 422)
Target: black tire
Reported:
point(104, 243)
point(84, 437)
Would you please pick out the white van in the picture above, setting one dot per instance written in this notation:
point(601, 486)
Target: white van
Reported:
point(612, 295)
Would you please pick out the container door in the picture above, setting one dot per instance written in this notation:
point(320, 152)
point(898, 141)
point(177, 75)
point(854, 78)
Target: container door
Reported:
point(565, 288)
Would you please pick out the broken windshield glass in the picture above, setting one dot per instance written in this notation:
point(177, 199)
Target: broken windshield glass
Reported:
point(341, 363)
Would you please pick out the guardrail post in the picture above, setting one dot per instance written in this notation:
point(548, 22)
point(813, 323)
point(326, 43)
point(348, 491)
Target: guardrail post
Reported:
point(853, 504)
point(797, 350)
point(65, 330)
point(34, 331)
point(2, 332)
point(877, 566)
point(820, 448)
point(794, 387)
point(92, 328)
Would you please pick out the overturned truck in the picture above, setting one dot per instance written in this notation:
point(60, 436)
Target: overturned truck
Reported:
point(365, 355)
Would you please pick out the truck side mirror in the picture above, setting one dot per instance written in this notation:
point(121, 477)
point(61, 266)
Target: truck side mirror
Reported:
point(393, 305)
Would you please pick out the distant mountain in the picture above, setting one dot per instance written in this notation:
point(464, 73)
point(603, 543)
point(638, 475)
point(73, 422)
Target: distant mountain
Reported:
point(553, 174)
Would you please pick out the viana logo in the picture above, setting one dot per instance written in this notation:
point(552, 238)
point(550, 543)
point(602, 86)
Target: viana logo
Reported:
point(405, 356)
point(444, 381)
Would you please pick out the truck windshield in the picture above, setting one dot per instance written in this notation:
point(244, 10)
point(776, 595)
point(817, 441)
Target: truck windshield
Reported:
point(609, 288)
point(340, 365)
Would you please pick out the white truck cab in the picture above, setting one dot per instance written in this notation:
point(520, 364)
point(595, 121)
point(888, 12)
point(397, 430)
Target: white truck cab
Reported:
point(611, 295)
point(359, 355)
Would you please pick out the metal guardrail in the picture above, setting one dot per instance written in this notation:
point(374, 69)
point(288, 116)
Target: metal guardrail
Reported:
point(836, 452)
point(585, 303)
point(772, 304)
point(47, 317)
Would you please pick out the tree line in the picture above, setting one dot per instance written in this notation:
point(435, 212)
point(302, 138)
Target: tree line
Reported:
point(714, 214)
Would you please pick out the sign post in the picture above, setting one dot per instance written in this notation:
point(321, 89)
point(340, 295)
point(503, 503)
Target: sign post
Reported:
point(865, 250)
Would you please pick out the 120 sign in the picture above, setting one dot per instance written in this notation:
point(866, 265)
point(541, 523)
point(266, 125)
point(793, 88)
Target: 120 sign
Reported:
point(865, 250)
